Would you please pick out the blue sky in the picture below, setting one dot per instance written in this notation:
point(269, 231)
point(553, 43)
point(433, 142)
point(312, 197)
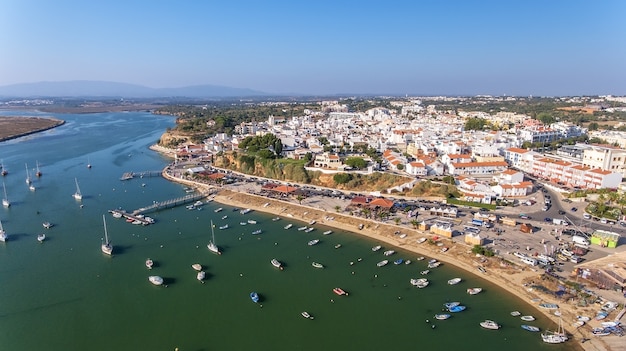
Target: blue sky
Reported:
point(560, 47)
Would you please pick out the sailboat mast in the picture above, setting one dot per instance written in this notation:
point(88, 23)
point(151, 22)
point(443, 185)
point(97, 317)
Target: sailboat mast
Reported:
point(106, 235)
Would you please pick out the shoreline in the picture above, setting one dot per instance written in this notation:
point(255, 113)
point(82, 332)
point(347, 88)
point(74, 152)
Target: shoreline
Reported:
point(46, 122)
point(512, 279)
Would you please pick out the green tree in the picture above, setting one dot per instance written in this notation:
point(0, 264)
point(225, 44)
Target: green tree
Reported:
point(475, 123)
point(592, 126)
point(342, 178)
point(356, 162)
point(546, 118)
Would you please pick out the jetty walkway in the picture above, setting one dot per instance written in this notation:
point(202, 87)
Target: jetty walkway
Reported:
point(131, 175)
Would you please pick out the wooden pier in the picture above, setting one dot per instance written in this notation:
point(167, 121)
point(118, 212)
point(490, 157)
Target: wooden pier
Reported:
point(156, 206)
point(131, 175)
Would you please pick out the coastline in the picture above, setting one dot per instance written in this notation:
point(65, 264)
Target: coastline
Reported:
point(512, 279)
point(9, 129)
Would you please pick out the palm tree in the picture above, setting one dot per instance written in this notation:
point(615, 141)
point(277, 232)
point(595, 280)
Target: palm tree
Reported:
point(366, 212)
point(414, 223)
point(338, 208)
point(300, 198)
point(397, 220)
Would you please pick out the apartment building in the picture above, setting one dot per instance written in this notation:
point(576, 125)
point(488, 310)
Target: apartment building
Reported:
point(477, 168)
point(605, 158)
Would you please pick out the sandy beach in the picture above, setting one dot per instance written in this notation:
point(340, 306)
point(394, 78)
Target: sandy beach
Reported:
point(514, 279)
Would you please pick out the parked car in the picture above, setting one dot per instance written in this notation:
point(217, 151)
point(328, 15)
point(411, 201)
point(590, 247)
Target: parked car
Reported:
point(567, 200)
point(547, 219)
point(561, 212)
point(574, 209)
point(622, 223)
point(586, 216)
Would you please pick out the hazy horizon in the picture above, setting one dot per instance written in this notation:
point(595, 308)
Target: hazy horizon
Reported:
point(557, 48)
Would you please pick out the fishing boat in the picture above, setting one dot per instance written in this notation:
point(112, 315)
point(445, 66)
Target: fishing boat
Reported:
point(3, 235)
point(313, 242)
point(455, 309)
point(442, 316)
point(288, 226)
point(317, 265)
point(277, 264)
point(382, 263)
point(155, 279)
point(489, 324)
point(257, 232)
point(77, 195)
point(327, 232)
point(555, 337)
point(106, 246)
point(225, 226)
point(474, 291)
point(41, 237)
point(254, 297)
point(212, 246)
point(527, 318)
point(197, 266)
point(454, 281)
point(200, 276)
point(376, 248)
point(389, 252)
point(149, 263)
point(306, 315)
point(600, 331)
point(601, 315)
point(340, 291)
point(5, 199)
point(530, 328)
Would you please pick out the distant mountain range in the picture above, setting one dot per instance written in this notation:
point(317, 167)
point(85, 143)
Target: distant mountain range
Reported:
point(84, 88)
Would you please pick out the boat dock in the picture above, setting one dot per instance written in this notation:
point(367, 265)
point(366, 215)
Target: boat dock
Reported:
point(131, 175)
point(159, 205)
point(131, 217)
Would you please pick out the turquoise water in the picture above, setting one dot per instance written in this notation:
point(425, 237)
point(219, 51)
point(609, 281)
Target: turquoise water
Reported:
point(64, 294)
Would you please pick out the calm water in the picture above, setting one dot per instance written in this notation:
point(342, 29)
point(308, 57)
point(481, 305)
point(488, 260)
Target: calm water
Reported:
point(64, 294)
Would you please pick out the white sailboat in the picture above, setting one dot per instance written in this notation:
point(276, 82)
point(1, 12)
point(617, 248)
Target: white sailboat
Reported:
point(212, 245)
point(3, 234)
point(4, 170)
point(555, 337)
point(77, 195)
point(5, 199)
point(88, 163)
point(106, 246)
point(28, 180)
point(38, 171)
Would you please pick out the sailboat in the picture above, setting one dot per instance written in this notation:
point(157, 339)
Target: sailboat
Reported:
point(5, 199)
point(28, 180)
point(212, 245)
point(88, 163)
point(4, 170)
point(77, 195)
point(38, 171)
point(106, 247)
point(3, 234)
point(555, 337)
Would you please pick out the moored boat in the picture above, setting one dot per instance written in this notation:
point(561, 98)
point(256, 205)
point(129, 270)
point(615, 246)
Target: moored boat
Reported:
point(527, 318)
point(41, 237)
point(474, 291)
point(155, 279)
point(382, 263)
point(313, 242)
point(327, 232)
point(398, 261)
point(489, 324)
point(420, 283)
point(106, 246)
point(288, 226)
point(254, 297)
point(309, 229)
point(339, 291)
point(302, 228)
point(442, 316)
point(455, 309)
point(149, 263)
point(454, 281)
point(317, 265)
point(389, 252)
point(337, 246)
point(219, 209)
point(376, 248)
point(212, 246)
point(197, 266)
point(200, 276)
point(530, 328)
point(424, 272)
point(277, 264)
point(516, 313)
point(225, 226)
point(252, 221)
point(449, 305)
point(307, 315)
point(257, 232)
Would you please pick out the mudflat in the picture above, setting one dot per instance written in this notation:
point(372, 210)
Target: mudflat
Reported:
point(15, 127)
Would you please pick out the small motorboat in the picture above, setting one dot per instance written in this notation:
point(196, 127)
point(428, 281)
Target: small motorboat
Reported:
point(224, 216)
point(216, 210)
point(252, 221)
point(327, 232)
point(225, 226)
point(382, 263)
point(516, 313)
point(407, 262)
point(474, 291)
point(197, 266)
point(309, 229)
point(257, 232)
point(275, 219)
point(313, 242)
point(340, 291)
point(47, 225)
point(276, 263)
point(307, 315)
point(254, 297)
point(312, 222)
point(155, 279)
point(376, 248)
point(41, 237)
point(200, 276)
point(527, 318)
point(420, 283)
point(442, 316)
point(398, 261)
point(149, 263)
point(489, 324)
point(530, 328)
point(288, 226)
point(455, 309)
point(302, 228)
point(389, 252)
point(337, 246)
point(421, 240)
point(424, 272)
point(243, 223)
point(317, 265)
point(449, 305)
point(454, 281)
